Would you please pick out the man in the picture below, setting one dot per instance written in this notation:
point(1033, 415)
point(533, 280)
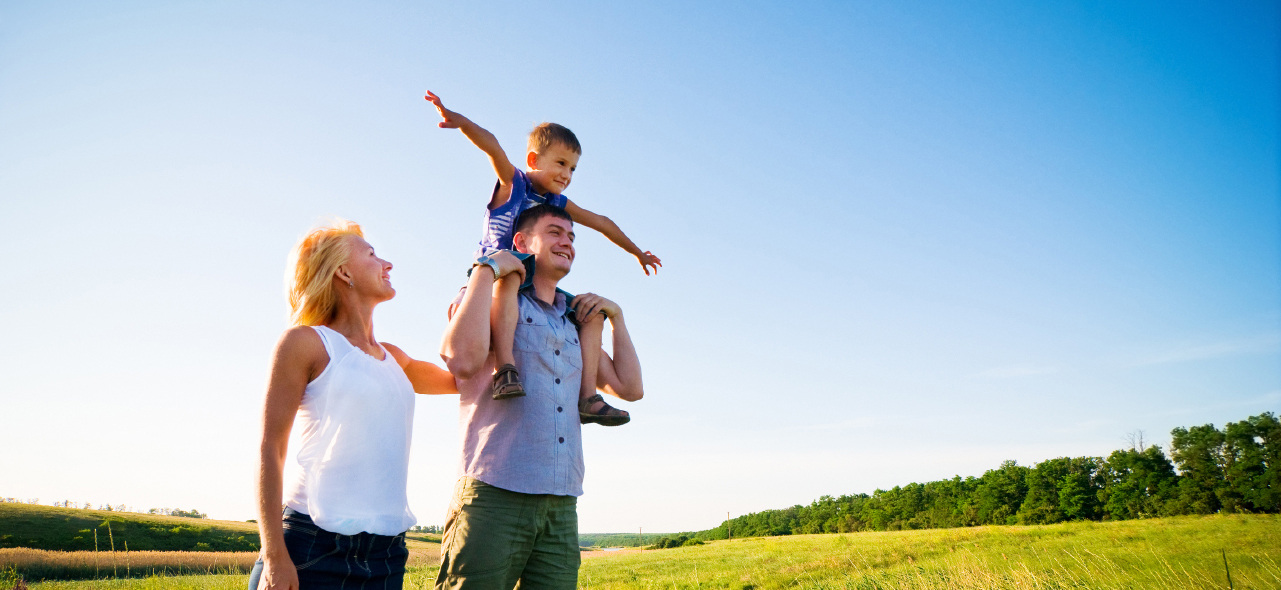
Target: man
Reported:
point(514, 515)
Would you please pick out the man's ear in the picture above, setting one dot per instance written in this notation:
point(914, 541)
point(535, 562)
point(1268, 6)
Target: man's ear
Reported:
point(531, 159)
point(519, 241)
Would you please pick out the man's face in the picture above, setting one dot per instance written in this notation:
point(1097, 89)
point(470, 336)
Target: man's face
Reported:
point(552, 170)
point(551, 241)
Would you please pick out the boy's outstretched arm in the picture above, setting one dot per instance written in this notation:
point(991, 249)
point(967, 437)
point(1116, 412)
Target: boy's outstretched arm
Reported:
point(611, 230)
point(484, 140)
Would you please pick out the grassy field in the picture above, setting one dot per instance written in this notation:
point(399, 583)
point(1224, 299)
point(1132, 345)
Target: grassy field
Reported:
point(72, 529)
point(1168, 553)
point(36, 564)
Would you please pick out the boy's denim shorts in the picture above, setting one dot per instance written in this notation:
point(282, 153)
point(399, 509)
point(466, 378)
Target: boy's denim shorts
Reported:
point(330, 561)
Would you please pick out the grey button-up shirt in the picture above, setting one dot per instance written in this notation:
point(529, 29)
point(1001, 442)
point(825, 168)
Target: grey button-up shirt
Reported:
point(529, 444)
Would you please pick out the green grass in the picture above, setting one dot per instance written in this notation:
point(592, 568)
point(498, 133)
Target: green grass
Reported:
point(423, 537)
point(72, 529)
point(1179, 552)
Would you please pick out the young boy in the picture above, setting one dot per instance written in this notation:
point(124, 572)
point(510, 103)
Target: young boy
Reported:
point(552, 157)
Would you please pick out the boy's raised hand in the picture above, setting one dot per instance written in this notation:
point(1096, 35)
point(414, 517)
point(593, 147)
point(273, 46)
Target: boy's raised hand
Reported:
point(647, 259)
point(452, 120)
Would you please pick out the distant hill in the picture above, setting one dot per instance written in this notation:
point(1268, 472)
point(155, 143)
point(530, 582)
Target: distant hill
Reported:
point(617, 539)
point(72, 529)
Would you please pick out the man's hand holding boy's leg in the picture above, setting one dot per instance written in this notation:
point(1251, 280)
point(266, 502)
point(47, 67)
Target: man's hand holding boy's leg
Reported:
point(591, 310)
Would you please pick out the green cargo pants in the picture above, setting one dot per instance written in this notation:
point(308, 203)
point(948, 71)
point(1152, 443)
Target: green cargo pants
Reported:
point(496, 539)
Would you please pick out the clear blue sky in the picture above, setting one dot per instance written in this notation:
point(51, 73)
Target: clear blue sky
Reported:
point(903, 241)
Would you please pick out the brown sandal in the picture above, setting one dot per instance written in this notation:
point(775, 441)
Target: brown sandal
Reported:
point(507, 383)
point(607, 416)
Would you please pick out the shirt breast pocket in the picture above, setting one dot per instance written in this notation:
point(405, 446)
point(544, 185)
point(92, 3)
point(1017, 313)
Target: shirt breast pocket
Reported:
point(533, 334)
point(573, 351)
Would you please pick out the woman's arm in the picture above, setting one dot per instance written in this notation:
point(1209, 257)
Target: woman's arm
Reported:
point(299, 357)
point(425, 377)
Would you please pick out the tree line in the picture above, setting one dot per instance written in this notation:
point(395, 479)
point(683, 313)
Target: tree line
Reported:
point(1208, 470)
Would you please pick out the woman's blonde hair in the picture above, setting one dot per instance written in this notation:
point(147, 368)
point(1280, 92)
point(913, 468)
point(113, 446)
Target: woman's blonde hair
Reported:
point(313, 298)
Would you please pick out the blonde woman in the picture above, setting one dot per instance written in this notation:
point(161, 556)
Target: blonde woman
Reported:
point(353, 398)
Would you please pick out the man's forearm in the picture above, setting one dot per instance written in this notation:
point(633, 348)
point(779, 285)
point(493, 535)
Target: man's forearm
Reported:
point(626, 363)
point(466, 343)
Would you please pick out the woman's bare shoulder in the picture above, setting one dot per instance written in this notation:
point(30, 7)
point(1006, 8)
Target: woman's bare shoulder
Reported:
point(401, 358)
point(301, 344)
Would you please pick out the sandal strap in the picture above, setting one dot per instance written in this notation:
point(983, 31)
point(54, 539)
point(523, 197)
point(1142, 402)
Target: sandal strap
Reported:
point(507, 374)
point(585, 403)
point(608, 410)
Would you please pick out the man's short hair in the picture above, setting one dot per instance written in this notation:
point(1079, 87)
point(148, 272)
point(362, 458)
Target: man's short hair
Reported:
point(530, 217)
point(548, 134)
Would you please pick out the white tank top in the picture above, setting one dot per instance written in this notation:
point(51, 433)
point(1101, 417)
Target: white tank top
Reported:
point(356, 418)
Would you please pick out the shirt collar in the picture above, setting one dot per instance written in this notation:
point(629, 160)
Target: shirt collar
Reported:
point(560, 307)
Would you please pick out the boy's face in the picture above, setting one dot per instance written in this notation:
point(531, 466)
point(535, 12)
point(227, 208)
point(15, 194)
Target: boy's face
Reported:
point(552, 170)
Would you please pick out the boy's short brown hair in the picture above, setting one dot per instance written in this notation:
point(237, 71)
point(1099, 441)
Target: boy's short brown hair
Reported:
point(548, 134)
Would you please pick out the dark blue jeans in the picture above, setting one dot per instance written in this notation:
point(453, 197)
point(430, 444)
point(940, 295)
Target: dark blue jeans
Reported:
point(330, 561)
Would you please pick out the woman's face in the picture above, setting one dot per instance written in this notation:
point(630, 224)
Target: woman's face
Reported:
point(369, 274)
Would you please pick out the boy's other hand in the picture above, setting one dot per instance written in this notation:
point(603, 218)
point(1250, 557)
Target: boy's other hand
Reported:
point(647, 259)
point(452, 120)
point(587, 305)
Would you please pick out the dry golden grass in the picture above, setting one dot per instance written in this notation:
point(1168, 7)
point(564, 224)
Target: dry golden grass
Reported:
point(36, 564)
point(423, 555)
point(1168, 554)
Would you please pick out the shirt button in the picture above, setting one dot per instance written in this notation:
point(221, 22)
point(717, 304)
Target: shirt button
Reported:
point(562, 439)
point(558, 380)
point(529, 320)
point(558, 352)
point(560, 409)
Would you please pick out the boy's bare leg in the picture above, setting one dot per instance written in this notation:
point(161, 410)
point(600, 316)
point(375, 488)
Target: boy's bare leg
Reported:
point(590, 336)
point(504, 312)
point(502, 318)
